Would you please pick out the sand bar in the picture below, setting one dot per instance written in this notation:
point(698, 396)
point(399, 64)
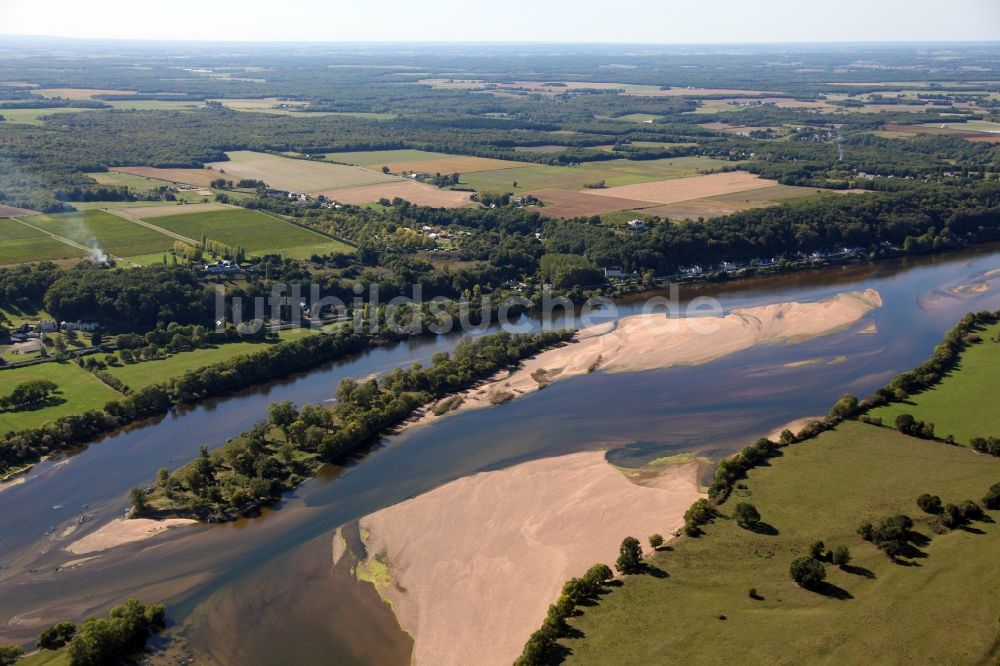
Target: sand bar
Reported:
point(652, 341)
point(119, 532)
point(474, 564)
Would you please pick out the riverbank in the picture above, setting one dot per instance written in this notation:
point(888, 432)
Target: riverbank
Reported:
point(488, 553)
point(653, 342)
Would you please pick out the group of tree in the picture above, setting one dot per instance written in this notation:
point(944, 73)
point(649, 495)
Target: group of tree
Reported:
point(988, 445)
point(28, 394)
point(541, 647)
point(277, 454)
point(908, 425)
point(892, 536)
point(946, 355)
point(949, 516)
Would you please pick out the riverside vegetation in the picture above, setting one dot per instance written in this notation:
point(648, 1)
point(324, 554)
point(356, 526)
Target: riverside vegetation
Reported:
point(724, 553)
point(277, 454)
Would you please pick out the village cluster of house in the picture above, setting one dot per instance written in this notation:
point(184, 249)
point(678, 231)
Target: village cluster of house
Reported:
point(223, 267)
point(301, 199)
point(35, 330)
point(694, 270)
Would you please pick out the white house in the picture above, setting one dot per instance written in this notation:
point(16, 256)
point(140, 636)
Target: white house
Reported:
point(637, 226)
point(614, 272)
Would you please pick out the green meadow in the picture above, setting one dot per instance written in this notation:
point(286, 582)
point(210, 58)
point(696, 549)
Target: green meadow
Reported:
point(612, 172)
point(376, 158)
point(113, 234)
point(21, 244)
point(964, 403)
point(78, 392)
point(694, 607)
point(257, 233)
point(146, 373)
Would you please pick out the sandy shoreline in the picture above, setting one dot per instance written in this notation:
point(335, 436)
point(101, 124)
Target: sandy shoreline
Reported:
point(120, 531)
point(651, 342)
point(485, 555)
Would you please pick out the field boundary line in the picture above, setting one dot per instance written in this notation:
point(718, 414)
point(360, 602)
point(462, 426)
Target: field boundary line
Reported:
point(149, 225)
point(61, 239)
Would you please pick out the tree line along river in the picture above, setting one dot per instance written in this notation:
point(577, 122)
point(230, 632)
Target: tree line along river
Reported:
point(216, 579)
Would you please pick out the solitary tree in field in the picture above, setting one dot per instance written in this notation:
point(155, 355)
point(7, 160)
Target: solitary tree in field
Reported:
point(816, 550)
point(655, 541)
point(746, 515)
point(629, 556)
point(807, 572)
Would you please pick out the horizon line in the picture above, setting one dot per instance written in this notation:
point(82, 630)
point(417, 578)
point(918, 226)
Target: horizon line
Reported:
point(292, 42)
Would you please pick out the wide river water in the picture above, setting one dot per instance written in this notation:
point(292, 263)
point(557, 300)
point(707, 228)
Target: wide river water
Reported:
point(263, 591)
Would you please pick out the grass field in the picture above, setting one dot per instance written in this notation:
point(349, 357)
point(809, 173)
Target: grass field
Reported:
point(79, 93)
point(256, 232)
point(78, 391)
point(111, 233)
point(197, 177)
point(34, 116)
point(940, 609)
point(295, 175)
point(963, 404)
point(612, 172)
point(134, 182)
point(21, 244)
point(140, 375)
point(46, 658)
point(419, 161)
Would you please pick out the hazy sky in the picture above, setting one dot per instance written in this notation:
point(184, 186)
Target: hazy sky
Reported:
point(652, 21)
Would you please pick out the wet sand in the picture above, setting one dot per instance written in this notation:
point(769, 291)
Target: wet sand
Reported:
point(474, 564)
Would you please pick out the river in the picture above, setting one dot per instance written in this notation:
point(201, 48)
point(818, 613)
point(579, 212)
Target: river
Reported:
point(263, 590)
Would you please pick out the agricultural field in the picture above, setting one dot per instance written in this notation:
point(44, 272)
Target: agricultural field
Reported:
point(34, 116)
point(726, 204)
point(99, 229)
point(196, 177)
point(78, 392)
point(963, 404)
point(545, 149)
point(21, 244)
point(138, 376)
point(612, 172)
point(160, 209)
point(684, 189)
point(134, 182)
point(12, 211)
point(257, 233)
point(420, 161)
point(79, 93)
point(872, 611)
point(420, 194)
point(566, 203)
point(295, 175)
point(545, 87)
